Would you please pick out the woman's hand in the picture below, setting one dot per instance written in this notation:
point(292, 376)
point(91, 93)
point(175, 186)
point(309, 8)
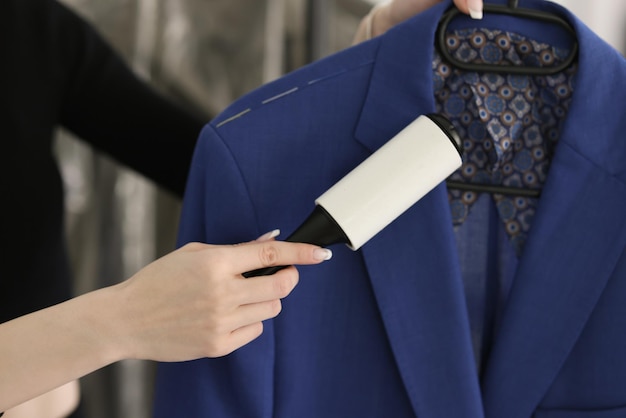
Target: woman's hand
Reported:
point(400, 10)
point(388, 14)
point(195, 303)
point(191, 303)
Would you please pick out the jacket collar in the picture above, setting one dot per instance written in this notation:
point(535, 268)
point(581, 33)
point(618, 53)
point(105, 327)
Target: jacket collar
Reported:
point(578, 234)
point(401, 86)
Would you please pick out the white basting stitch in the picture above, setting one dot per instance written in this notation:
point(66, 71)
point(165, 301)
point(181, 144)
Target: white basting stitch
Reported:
point(278, 96)
point(283, 94)
point(232, 118)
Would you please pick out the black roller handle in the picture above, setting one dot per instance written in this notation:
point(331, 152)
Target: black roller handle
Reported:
point(319, 229)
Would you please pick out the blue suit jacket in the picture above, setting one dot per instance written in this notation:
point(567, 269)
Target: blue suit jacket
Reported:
point(383, 332)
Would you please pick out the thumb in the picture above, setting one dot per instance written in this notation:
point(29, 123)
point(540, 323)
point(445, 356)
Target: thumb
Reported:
point(268, 236)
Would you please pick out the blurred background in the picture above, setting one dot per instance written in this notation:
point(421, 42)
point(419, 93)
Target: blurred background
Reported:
point(203, 54)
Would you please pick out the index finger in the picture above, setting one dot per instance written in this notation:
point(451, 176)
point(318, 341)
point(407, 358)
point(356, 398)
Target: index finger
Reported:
point(257, 255)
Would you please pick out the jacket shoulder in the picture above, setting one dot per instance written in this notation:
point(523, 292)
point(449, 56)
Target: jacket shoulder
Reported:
point(345, 62)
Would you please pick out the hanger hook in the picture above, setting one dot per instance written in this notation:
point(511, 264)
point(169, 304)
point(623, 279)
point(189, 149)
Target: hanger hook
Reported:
point(513, 4)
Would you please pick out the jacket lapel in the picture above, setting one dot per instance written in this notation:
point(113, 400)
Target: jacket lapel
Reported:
point(412, 263)
point(578, 234)
point(414, 273)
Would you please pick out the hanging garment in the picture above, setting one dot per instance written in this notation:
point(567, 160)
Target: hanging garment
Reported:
point(384, 332)
point(510, 125)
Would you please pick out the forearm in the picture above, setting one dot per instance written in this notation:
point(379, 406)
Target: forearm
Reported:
point(189, 304)
point(48, 348)
point(376, 22)
point(105, 104)
point(389, 13)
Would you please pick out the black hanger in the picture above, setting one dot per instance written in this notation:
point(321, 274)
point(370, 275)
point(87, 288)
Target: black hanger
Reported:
point(511, 9)
point(493, 188)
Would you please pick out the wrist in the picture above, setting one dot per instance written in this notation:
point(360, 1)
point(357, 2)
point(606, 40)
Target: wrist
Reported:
point(378, 20)
point(108, 331)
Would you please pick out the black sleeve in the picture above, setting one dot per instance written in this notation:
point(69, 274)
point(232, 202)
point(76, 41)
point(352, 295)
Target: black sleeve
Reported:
point(105, 104)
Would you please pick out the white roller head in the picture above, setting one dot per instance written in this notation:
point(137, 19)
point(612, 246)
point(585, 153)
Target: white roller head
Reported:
point(392, 179)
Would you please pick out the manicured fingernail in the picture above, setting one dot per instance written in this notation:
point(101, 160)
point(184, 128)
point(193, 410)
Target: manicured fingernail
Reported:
point(269, 235)
point(322, 254)
point(475, 8)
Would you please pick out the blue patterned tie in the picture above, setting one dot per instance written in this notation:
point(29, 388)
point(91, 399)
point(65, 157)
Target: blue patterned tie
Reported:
point(509, 123)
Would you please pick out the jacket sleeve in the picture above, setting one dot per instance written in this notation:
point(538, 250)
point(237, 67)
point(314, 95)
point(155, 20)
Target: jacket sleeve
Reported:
point(217, 209)
point(104, 103)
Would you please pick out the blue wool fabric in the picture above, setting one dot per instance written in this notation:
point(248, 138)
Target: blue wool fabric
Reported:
point(510, 125)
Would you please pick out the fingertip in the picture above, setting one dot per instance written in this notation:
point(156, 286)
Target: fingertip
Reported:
point(475, 9)
point(284, 282)
point(268, 236)
point(295, 277)
point(462, 6)
point(322, 254)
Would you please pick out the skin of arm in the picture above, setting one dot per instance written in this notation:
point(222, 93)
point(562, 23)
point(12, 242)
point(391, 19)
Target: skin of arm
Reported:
point(390, 13)
point(189, 304)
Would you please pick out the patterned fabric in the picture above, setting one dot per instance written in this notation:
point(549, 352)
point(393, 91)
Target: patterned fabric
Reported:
point(509, 123)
